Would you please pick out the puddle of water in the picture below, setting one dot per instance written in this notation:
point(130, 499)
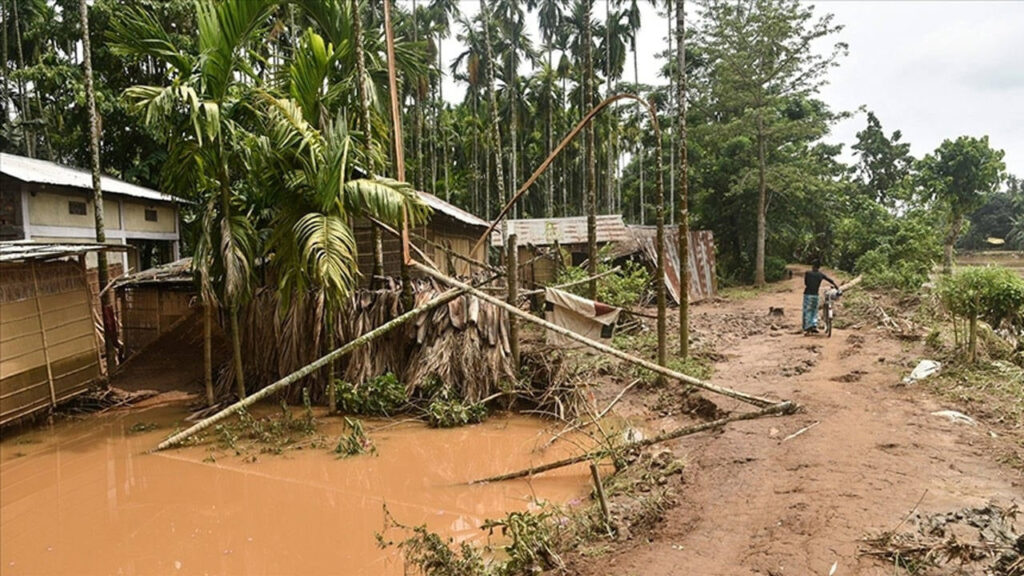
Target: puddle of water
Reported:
point(85, 498)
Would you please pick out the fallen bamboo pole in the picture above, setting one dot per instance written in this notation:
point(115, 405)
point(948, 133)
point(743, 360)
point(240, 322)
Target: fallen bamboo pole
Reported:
point(310, 368)
point(786, 407)
point(660, 370)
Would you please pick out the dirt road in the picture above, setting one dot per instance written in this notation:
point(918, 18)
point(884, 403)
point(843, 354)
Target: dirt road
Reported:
point(754, 502)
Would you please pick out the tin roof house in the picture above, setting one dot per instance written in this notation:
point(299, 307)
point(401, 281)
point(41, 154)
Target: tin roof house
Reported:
point(43, 201)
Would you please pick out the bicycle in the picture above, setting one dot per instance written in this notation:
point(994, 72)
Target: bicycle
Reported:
point(831, 296)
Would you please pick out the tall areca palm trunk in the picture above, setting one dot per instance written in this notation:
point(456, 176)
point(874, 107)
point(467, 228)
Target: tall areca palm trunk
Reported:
point(367, 125)
point(495, 120)
point(684, 216)
point(27, 134)
point(103, 273)
point(591, 157)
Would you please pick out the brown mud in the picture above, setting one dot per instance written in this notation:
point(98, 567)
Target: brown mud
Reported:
point(85, 497)
point(757, 499)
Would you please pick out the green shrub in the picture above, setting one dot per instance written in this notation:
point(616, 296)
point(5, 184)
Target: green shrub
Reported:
point(624, 289)
point(454, 413)
point(993, 293)
point(356, 442)
point(774, 269)
point(903, 256)
point(380, 396)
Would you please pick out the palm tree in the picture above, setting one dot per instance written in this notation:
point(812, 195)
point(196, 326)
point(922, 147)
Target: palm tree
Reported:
point(684, 224)
point(103, 273)
point(214, 89)
point(550, 19)
point(492, 94)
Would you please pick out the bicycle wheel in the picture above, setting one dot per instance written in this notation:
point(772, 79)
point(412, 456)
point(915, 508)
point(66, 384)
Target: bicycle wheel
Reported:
point(828, 319)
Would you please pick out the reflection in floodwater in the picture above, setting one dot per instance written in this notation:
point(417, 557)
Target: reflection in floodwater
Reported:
point(85, 498)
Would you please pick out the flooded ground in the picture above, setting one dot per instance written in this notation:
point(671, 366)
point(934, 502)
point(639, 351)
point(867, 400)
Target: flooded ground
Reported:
point(84, 497)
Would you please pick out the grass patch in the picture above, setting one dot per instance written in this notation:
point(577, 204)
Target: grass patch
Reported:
point(993, 391)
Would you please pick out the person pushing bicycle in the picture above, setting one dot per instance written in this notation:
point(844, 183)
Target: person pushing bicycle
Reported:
point(812, 284)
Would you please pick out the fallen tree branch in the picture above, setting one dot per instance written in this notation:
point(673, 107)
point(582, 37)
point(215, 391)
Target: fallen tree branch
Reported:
point(661, 370)
point(600, 415)
point(786, 407)
point(310, 368)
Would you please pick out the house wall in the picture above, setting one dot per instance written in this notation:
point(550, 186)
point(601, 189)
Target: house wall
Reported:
point(45, 321)
point(448, 233)
point(46, 217)
point(148, 311)
point(51, 209)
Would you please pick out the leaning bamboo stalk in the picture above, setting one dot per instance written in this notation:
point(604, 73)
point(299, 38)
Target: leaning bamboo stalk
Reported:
point(660, 370)
point(310, 368)
point(786, 407)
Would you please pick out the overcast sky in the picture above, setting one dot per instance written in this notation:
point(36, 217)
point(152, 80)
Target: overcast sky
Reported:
point(932, 69)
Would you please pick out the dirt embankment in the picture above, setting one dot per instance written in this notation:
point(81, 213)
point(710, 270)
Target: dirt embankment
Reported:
point(757, 499)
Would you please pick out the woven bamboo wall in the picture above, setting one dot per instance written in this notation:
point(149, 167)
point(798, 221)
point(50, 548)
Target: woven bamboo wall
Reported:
point(45, 319)
point(150, 310)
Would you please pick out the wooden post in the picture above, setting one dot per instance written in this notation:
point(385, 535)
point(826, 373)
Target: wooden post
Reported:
point(657, 369)
point(42, 334)
point(513, 297)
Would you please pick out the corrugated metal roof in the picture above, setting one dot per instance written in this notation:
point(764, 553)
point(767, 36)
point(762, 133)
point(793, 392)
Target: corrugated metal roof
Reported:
point(700, 260)
point(25, 251)
point(572, 230)
point(45, 172)
point(452, 211)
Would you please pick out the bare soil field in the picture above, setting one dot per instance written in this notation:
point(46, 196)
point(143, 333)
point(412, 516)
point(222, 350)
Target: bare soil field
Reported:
point(798, 494)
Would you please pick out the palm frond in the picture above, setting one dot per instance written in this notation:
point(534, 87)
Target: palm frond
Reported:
point(384, 199)
point(328, 251)
point(236, 251)
point(137, 33)
point(224, 29)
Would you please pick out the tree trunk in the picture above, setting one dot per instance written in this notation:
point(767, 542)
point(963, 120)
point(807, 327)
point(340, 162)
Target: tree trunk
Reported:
point(609, 186)
point(367, 126)
point(208, 353)
point(549, 204)
point(512, 261)
point(669, 127)
point(332, 399)
point(591, 159)
point(972, 345)
point(236, 349)
point(659, 275)
point(514, 131)
point(684, 216)
point(762, 204)
point(955, 224)
point(103, 272)
point(27, 134)
point(495, 120)
point(640, 146)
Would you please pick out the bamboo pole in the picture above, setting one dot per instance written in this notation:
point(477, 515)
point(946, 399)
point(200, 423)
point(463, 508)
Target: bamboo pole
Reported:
point(660, 370)
point(780, 408)
point(310, 368)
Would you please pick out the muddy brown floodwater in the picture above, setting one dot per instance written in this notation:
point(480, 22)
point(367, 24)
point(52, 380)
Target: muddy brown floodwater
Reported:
point(84, 497)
